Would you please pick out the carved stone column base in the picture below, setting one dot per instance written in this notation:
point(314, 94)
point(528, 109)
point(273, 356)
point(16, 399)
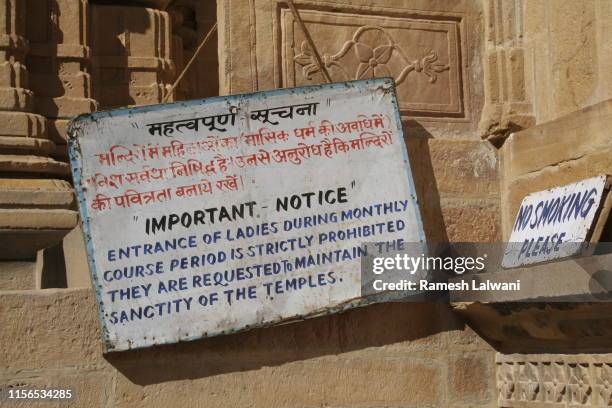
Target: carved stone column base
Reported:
point(34, 213)
point(15, 99)
point(22, 124)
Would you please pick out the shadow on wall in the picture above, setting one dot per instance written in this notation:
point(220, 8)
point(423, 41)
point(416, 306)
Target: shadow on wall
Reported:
point(417, 142)
point(113, 31)
point(372, 326)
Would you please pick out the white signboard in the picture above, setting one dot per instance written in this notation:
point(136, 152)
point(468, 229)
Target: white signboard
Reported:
point(555, 223)
point(214, 216)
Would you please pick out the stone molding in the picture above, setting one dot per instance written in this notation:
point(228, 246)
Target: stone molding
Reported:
point(554, 380)
point(131, 56)
point(507, 107)
point(26, 150)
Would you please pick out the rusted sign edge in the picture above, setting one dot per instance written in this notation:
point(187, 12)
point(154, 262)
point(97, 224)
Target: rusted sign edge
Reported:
point(74, 152)
point(387, 85)
point(601, 217)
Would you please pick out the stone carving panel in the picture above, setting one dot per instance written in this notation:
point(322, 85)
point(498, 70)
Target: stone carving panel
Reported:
point(554, 380)
point(423, 56)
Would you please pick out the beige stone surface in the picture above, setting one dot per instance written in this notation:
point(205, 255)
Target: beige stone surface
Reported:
point(463, 385)
point(375, 356)
point(570, 148)
point(431, 50)
point(328, 381)
point(26, 218)
point(507, 107)
point(472, 221)
point(36, 192)
point(75, 257)
point(90, 387)
point(17, 275)
point(56, 329)
point(453, 198)
point(571, 137)
point(466, 168)
point(23, 244)
point(545, 60)
point(12, 163)
point(25, 145)
point(22, 124)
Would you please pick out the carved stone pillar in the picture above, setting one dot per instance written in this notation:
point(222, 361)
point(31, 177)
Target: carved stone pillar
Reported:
point(507, 105)
point(59, 63)
point(35, 204)
point(131, 55)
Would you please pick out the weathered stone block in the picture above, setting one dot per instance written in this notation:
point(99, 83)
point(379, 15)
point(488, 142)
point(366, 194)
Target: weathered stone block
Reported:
point(55, 328)
point(464, 168)
point(16, 99)
point(470, 378)
point(25, 218)
point(75, 257)
point(573, 50)
point(471, 221)
point(10, 163)
point(507, 107)
point(570, 137)
point(21, 124)
point(21, 145)
point(331, 382)
point(23, 244)
point(36, 192)
point(17, 275)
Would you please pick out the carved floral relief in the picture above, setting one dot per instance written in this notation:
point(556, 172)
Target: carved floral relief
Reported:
point(422, 54)
point(373, 59)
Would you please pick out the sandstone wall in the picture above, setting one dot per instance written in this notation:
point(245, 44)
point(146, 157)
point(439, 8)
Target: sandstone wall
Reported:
point(544, 59)
point(379, 356)
point(571, 148)
point(559, 54)
point(434, 54)
point(117, 54)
